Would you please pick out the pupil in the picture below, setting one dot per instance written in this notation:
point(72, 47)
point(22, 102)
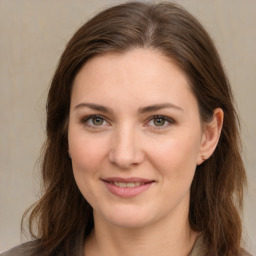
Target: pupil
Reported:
point(159, 121)
point(97, 121)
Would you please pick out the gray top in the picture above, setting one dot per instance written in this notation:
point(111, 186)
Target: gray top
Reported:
point(199, 249)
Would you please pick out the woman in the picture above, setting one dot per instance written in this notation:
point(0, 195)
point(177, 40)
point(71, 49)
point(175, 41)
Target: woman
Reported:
point(142, 155)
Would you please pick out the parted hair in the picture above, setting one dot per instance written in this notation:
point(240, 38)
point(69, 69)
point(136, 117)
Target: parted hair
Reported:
point(62, 213)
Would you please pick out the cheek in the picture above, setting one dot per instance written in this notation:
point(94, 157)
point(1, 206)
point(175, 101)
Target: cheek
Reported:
point(87, 152)
point(88, 156)
point(176, 156)
point(177, 149)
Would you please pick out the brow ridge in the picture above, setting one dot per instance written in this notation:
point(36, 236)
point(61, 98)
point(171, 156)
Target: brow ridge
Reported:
point(94, 107)
point(142, 110)
point(157, 107)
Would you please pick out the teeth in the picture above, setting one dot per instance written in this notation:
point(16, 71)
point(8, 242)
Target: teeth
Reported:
point(121, 184)
point(128, 184)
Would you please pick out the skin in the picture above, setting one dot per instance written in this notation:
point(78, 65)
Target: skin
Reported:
point(126, 142)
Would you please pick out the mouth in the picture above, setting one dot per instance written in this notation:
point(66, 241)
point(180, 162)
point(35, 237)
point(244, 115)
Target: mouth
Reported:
point(128, 187)
point(127, 184)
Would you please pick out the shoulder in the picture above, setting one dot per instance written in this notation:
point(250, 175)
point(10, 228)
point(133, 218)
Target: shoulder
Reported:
point(245, 253)
point(200, 248)
point(20, 250)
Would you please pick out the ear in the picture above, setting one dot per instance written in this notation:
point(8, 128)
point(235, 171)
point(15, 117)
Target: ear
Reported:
point(211, 135)
point(69, 155)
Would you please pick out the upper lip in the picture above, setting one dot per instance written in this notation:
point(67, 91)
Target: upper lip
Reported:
point(127, 180)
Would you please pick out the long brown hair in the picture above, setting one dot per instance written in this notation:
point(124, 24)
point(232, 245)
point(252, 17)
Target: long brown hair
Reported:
point(217, 189)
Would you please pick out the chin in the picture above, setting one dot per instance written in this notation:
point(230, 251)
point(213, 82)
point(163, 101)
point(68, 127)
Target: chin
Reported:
point(130, 222)
point(126, 217)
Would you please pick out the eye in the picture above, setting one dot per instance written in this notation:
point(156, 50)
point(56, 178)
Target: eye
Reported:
point(159, 121)
point(95, 121)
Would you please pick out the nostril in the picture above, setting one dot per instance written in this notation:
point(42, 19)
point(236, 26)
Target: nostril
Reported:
point(126, 158)
point(125, 150)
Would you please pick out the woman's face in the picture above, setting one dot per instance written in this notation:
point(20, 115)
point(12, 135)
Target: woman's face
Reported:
point(134, 137)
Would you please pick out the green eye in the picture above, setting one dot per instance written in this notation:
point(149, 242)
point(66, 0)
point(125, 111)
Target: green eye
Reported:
point(159, 121)
point(97, 121)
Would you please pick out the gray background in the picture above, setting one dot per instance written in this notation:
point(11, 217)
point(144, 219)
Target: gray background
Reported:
point(33, 34)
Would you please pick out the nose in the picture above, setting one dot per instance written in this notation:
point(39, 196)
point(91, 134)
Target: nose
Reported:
point(125, 151)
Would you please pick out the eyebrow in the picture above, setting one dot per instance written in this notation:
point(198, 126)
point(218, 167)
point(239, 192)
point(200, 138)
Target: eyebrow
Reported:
point(96, 107)
point(141, 110)
point(156, 107)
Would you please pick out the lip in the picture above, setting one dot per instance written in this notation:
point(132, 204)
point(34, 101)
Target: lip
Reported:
point(130, 179)
point(127, 192)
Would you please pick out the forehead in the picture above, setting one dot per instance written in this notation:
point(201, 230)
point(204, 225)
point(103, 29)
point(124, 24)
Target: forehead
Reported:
point(144, 75)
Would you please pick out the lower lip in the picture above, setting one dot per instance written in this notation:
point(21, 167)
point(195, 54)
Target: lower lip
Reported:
point(127, 192)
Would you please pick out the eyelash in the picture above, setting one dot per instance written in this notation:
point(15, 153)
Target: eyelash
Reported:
point(88, 118)
point(170, 121)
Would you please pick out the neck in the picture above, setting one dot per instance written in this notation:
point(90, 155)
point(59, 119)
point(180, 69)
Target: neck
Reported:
point(167, 237)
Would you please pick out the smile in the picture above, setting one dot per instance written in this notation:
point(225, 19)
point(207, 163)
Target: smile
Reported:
point(127, 184)
point(127, 188)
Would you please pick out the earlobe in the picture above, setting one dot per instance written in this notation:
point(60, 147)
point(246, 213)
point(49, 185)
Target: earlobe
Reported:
point(211, 135)
point(69, 155)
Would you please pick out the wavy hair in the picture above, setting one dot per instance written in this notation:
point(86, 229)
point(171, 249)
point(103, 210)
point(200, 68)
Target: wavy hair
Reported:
point(217, 188)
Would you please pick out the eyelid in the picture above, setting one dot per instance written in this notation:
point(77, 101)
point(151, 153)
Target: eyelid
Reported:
point(171, 121)
point(85, 119)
